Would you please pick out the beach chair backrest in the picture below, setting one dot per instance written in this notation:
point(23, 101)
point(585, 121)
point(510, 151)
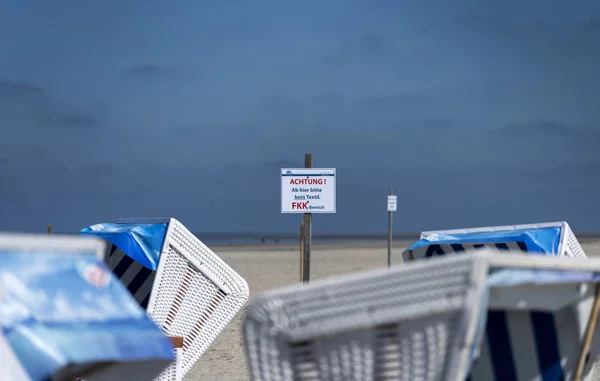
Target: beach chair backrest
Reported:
point(191, 292)
point(553, 238)
point(196, 294)
point(404, 324)
point(398, 324)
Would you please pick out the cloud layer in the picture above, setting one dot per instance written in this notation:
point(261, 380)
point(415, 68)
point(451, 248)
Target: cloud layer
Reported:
point(473, 113)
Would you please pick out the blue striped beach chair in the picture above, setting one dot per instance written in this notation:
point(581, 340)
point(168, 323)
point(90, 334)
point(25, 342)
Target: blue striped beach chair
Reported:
point(520, 345)
point(426, 321)
point(185, 287)
point(552, 238)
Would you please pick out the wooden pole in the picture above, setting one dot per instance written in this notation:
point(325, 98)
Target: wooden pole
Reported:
point(301, 251)
point(308, 163)
point(177, 341)
point(589, 335)
point(178, 345)
point(389, 253)
point(49, 228)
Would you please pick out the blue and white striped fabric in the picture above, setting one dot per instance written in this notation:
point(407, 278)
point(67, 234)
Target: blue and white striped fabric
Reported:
point(133, 255)
point(534, 241)
point(138, 279)
point(528, 345)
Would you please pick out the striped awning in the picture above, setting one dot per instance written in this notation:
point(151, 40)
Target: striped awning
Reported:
point(544, 241)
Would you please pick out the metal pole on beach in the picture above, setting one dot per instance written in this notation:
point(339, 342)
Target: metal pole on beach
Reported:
point(392, 203)
point(307, 238)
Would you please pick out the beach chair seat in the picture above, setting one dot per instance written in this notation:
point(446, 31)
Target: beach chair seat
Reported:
point(186, 288)
point(423, 321)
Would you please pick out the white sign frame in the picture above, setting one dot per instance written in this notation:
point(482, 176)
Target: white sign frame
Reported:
point(392, 203)
point(325, 197)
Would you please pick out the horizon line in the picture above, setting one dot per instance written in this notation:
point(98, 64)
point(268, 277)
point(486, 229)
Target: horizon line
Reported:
point(333, 236)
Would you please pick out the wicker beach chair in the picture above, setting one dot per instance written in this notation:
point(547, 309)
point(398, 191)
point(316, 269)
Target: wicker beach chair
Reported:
point(409, 323)
point(186, 288)
point(424, 321)
point(551, 238)
point(531, 330)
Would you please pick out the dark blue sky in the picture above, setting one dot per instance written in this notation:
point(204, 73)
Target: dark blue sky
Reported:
point(475, 112)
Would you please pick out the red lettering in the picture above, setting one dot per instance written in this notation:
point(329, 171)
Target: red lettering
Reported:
point(300, 205)
point(307, 181)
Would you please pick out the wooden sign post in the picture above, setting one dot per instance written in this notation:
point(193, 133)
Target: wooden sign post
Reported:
point(307, 239)
point(301, 266)
point(307, 191)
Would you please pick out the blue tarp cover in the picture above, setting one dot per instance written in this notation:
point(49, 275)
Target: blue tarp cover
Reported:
point(544, 240)
point(59, 309)
point(142, 242)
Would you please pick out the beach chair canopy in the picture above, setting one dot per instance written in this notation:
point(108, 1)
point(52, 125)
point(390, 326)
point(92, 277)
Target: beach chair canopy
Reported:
point(142, 242)
point(553, 239)
point(185, 287)
point(65, 315)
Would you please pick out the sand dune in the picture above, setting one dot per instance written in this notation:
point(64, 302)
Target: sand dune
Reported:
point(270, 266)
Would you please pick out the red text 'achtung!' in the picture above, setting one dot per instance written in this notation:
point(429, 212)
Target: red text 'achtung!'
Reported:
point(308, 181)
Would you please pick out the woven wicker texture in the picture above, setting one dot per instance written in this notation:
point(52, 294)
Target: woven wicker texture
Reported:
point(417, 322)
point(195, 295)
point(405, 324)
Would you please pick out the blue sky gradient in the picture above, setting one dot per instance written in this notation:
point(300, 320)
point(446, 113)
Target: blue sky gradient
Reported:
point(475, 112)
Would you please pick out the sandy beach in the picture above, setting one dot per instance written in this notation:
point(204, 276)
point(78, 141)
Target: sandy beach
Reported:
point(274, 265)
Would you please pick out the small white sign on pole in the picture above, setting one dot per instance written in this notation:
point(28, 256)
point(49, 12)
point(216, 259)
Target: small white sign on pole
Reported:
point(308, 190)
point(392, 203)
